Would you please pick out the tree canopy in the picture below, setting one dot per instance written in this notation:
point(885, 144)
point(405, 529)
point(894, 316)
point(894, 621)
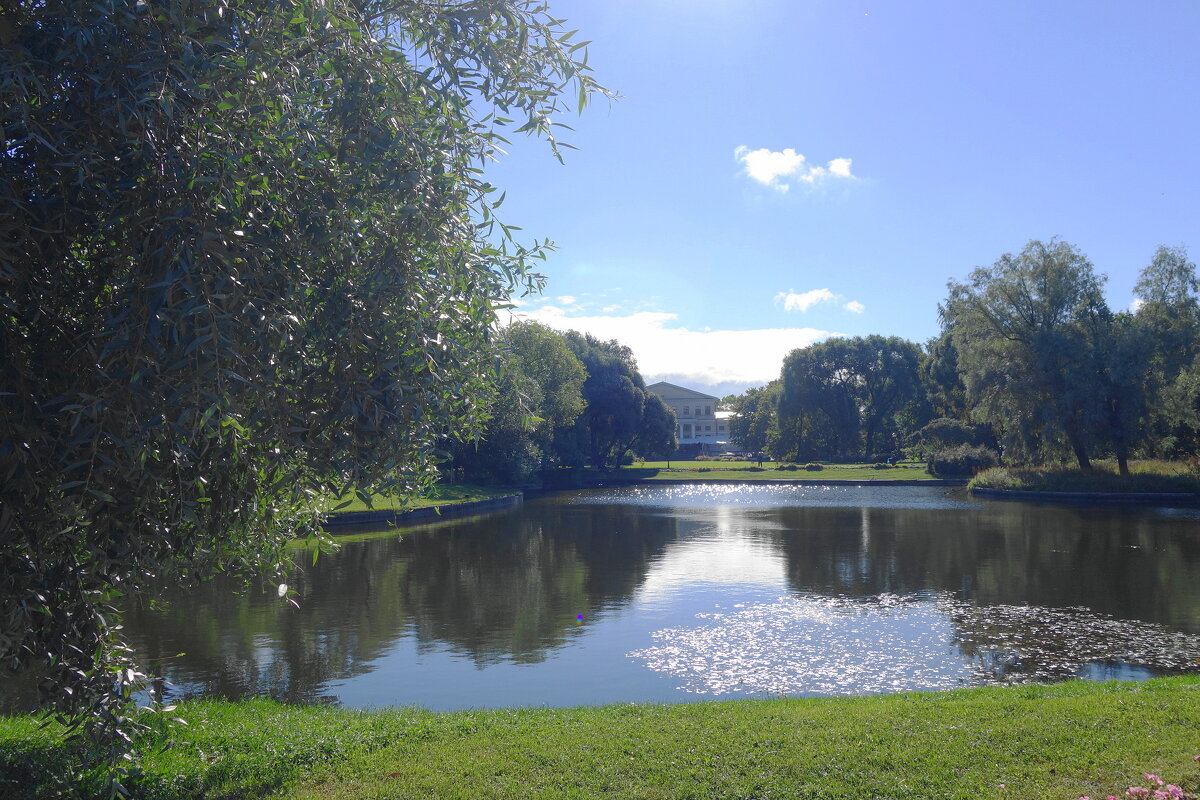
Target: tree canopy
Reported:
point(620, 413)
point(248, 260)
point(1021, 331)
point(538, 394)
point(840, 397)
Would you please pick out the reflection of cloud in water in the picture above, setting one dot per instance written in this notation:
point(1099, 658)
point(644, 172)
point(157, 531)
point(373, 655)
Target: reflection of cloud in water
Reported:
point(727, 553)
point(822, 645)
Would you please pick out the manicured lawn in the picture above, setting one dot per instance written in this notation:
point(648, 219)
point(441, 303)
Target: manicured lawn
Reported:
point(1040, 742)
point(441, 494)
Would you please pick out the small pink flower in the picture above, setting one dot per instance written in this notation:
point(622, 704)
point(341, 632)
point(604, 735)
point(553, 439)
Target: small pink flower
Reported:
point(1112, 797)
point(1137, 792)
point(1150, 776)
point(1084, 797)
point(1160, 794)
point(1175, 791)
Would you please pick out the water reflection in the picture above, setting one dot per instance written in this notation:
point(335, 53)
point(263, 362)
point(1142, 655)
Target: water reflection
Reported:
point(668, 593)
point(509, 587)
point(800, 645)
point(1128, 564)
point(817, 645)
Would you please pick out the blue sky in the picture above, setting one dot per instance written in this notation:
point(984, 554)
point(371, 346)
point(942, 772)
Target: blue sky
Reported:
point(934, 136)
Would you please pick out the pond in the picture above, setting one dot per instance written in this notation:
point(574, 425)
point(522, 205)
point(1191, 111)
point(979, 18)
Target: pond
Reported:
point(671, 593)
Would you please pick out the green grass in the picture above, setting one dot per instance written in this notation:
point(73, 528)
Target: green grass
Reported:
point(1058, 741)
point(1147, 476)
point(440, 495)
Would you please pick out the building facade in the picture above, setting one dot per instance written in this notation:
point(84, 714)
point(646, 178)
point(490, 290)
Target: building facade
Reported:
point(699, 426)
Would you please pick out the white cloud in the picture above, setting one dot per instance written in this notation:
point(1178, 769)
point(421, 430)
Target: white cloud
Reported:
point(803, 301)
point(704, 357)
point(567, 300)
point(1136, 305)
point(780, 169)
point(841, 167)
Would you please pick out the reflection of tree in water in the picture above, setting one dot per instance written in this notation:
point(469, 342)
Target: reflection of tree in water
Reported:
point(1127, 564)
point(506, 586)
point(513, 587)
point(253, 643)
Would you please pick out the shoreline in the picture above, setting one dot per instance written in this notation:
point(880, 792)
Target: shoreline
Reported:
point(1173, 499)
point(342, 520)
point(338, 520)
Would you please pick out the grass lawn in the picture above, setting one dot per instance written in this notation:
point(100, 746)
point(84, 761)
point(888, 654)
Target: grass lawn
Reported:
point(1147, 476)
point(441, 494)
point(1041, 742)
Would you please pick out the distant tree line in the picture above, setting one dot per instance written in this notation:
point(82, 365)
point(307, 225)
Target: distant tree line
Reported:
point(562, 399)
point(1030, 362)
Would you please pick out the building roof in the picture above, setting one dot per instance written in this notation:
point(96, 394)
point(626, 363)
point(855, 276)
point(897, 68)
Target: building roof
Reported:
point(669, 391)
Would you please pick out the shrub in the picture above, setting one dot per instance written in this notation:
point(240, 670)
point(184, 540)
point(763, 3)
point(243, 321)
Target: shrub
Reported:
point(879, 465)
point(704, 469)
point(813, 466)
point(755, 469)
point(702, 457)
point(962, 460)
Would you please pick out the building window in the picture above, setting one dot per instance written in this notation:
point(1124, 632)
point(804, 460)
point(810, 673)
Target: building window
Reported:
point(707, 411)
point(708, 427)
point(686, 411)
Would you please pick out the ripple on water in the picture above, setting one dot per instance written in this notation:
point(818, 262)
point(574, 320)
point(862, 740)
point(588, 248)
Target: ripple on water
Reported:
point(811, 644)
point(766, 494)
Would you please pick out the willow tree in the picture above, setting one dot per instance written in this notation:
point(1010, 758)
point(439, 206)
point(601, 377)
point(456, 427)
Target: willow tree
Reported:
point(248, 260)
point(1026, 331)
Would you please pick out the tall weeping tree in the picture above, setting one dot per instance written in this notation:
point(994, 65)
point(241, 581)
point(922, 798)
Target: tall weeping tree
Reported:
point(1022, 328)
point(248, 260)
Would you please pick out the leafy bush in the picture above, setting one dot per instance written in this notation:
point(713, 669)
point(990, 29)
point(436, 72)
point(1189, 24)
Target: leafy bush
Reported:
point(787, 467)
point(704, 469)
point(755, 469)
point(813, 466)
point(963, 460)
point(879, 465)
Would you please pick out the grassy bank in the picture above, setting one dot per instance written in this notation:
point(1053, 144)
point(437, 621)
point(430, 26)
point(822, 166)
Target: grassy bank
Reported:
point(439, 495)
point(1147, 476)
point(1041, 742)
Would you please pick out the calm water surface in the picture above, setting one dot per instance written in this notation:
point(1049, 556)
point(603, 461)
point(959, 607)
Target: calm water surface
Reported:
point(703, 592)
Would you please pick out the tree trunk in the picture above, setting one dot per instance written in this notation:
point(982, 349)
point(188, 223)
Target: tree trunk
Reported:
point(1085, 463)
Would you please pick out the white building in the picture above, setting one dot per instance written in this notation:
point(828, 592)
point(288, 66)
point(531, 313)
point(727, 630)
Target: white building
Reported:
point(699, 426)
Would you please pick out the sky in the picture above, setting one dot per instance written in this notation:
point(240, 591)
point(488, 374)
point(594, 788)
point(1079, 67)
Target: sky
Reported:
point(777, 172)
